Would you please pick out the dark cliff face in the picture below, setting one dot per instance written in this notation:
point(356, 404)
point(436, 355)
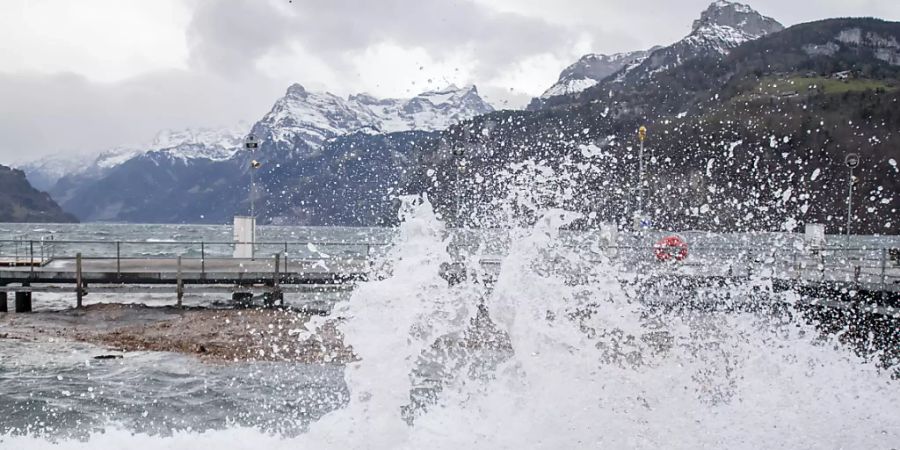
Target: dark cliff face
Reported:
point(20, 202)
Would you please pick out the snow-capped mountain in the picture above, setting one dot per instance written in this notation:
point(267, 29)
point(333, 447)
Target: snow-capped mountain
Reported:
point(305, 118)
point(43, 173)
point(203, 143)
point(592, 68)
point(725, 25)
point(214, 144)
point(200, 175)
point(721, 27)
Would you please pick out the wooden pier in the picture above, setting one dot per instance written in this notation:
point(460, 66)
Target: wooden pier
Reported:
point(190, 267)
point(267, 277)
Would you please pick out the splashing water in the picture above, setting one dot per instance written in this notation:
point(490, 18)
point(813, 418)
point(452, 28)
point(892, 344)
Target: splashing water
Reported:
point(558, 353)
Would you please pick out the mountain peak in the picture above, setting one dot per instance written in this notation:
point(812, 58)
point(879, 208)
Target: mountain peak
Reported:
point(311, 118)
point(592, 68)
point(296, 89)
point(738, 16)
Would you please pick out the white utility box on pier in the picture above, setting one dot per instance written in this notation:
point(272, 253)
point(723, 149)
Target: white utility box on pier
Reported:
point(244, 236)
point(814, 235)
point(609, 237)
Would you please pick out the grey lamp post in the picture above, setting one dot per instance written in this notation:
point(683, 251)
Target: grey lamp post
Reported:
point(251, 144)
point(642, 135)
point(852, 162)
point(458, 153)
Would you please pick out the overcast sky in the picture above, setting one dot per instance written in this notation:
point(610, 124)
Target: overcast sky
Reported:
point(86, 75)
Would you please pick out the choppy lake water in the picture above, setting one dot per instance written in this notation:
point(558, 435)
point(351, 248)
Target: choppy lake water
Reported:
point(591, 365)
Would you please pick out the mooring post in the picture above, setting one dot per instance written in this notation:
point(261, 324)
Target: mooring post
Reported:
point(79, 292)
point(179, 283)
point(23, 300)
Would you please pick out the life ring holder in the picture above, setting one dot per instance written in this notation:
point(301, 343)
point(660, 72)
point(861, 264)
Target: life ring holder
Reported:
point(670, 248)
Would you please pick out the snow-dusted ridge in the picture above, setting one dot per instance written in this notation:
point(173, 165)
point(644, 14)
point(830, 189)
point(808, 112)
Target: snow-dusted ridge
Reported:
point(725, 25)
point(300, 116)
point(592, 68)
point(311, 118)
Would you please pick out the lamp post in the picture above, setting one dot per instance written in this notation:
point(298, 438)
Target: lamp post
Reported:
point(458, 153)
point(251, 144)
point(852, 162)
point(642, 135)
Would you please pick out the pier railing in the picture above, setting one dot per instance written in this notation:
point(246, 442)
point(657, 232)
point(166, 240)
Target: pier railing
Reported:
point(873, 266)
point(39, 252)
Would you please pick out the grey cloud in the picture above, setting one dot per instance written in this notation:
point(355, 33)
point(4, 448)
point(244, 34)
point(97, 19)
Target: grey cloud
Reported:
point(225, 35)
point(42, 115)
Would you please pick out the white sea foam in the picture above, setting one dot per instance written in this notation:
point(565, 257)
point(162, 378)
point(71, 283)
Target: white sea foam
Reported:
point(591, 365)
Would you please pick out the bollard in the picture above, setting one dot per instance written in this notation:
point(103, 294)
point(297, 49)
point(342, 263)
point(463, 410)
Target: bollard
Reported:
point(23, 302)
point(4, 302)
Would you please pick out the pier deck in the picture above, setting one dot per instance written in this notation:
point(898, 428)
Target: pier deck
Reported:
point(189, 271)
point(58, 266)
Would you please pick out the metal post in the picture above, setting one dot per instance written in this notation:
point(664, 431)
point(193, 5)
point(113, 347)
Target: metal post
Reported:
point(202, 260)
point(252, 192)
point(276, 276)
point(31, 250)
point(179, 287)
point(118, 260)
point(642, 134)
point(884, 257)
point(79, 293)
point(640, 207)
point(849, 206)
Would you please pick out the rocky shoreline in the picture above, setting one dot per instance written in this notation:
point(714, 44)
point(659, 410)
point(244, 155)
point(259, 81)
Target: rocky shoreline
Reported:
point(215, 335)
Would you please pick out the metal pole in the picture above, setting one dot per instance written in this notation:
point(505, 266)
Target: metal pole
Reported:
point(252, 190)
point(849, 206)
point(79, 293)
point(118, 259)
point(641, 185)
point(179, 287)
point(884, 257)
point(458, 195)
point(202, 260)
point(31, 247)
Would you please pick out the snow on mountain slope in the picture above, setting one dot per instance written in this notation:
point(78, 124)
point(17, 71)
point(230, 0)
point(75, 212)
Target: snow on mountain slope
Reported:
point(217, 144)
point(721, 27)
point(725, 25)
point(592, 68)
point(204, 143)
point(309, 118)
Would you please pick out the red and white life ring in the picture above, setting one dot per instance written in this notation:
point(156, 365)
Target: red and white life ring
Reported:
point(671, 248)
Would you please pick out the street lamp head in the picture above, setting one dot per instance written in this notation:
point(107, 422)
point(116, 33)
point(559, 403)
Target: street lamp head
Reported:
point(251, 143)
point(255, 164)
point(642, 133)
